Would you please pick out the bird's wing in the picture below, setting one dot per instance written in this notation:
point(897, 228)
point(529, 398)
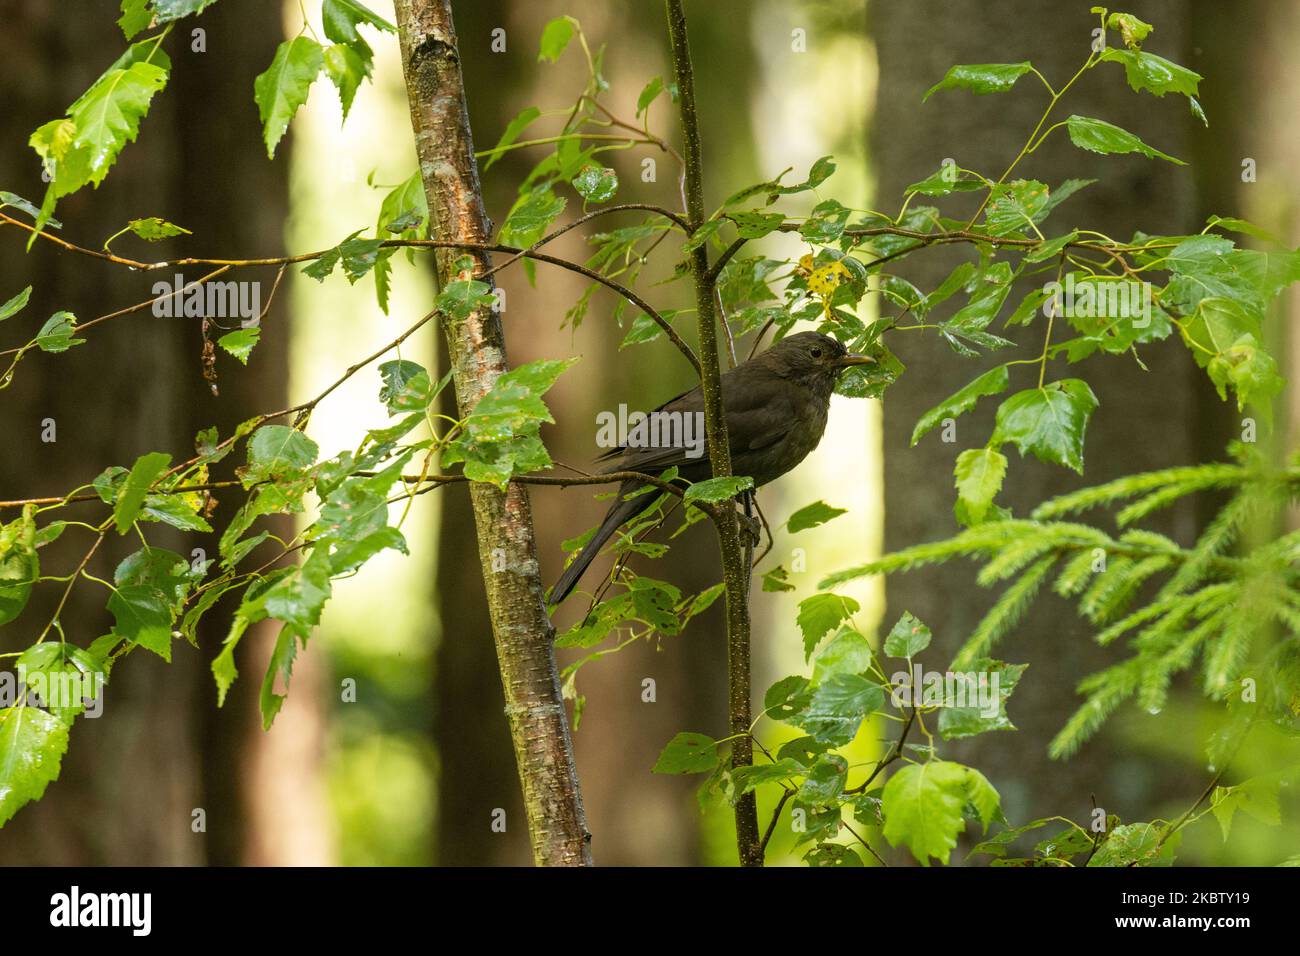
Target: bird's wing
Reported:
point(692, 397)
point(758, 415)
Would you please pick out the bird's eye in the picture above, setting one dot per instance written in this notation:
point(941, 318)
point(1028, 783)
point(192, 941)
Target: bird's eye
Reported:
point(816, 353)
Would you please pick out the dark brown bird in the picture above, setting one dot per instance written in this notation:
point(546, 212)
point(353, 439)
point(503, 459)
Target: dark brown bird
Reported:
point(775, 405)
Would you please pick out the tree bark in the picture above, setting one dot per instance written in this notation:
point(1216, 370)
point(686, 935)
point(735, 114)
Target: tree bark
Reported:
point(521, 628)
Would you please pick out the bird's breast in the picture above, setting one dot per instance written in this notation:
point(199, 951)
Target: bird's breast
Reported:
point(808, 425)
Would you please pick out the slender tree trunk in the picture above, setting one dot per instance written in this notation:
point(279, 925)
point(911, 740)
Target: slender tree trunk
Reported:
point(475, 754)
point(520, 625)
point(736, 560)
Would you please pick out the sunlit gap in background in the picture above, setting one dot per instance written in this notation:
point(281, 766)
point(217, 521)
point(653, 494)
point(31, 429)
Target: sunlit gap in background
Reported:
point(379, 628)
point(807, 105)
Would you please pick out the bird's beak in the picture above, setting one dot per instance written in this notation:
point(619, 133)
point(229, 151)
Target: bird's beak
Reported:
point(854, 359)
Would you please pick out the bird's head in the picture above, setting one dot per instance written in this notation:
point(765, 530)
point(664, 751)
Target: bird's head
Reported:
point(812, 357)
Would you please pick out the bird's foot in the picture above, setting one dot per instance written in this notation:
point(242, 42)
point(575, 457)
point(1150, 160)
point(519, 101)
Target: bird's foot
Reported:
point(751, 526)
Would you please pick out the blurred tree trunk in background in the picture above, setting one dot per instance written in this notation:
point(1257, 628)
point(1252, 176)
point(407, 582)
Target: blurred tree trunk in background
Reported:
point(239, 200)
point(1146, 419)
point(132, 778)
point(1247, 51)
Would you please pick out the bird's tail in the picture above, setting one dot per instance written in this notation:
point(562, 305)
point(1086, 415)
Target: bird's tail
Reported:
point(622, 511)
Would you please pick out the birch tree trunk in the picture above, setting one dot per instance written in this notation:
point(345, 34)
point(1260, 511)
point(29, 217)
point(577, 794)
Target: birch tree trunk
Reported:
point(520, 626)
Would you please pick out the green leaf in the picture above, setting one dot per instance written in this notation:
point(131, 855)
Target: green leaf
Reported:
point(359, 256)
point(500, 438)
point(818, 173)
point(240, 342)
point(688, 753)
point(63, 676)
point(555, 37)
point(923, 805)
point(648, 95)
point(908, 637)
point(756, 225)
point(981, 78)
point(277, 452)
point(346, 69)
point(146, 470)
point(990, 383)
point(223, 665)
point(826, 222)
point(988, 291)
point(956, 723)
point(407, 387)
point(522, 121)
point(19, 565)
point(979, 473)
point(948, 178)
point(714, 490)
point(643, 329)
point(531, 215)
point(404, 214)
point(342, 17)
point(1099, 136)
point(786, 697)
point(702, 235)
point(1257, 796)
point(596, 183)
point(748, 778)
point(282, 89)
point(348, 555)
point(1049, 250)
point(704, 600)
point(1155, 74)
point(1048, 422)
point(825, 782)
point(18, 202)
point(50, 533)
point(1016, 206)
point(173, 510)
point(281, 664)
point(163, 570)
point(776, 580)
point(169, 10)
point(58, 333)
point(832, 855)
point(32, 745)
point(1131, 30)
point(1138, 844)
point(154, 229)
point(83, 148)
point(1243, 226)
point(464, 297)
point(839, 705)
point(298, 597)
point(1250, 370)
point(143, 616)
point(848, 652)
point(820, 614)
point(16, 304)
point(136, 16)
point(810, 516)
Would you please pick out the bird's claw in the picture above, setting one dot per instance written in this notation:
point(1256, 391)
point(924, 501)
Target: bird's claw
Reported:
point(753, 527)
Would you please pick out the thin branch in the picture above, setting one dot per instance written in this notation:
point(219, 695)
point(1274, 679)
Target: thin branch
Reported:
point(516, 252)
point(786, 794)
point(893, 755)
